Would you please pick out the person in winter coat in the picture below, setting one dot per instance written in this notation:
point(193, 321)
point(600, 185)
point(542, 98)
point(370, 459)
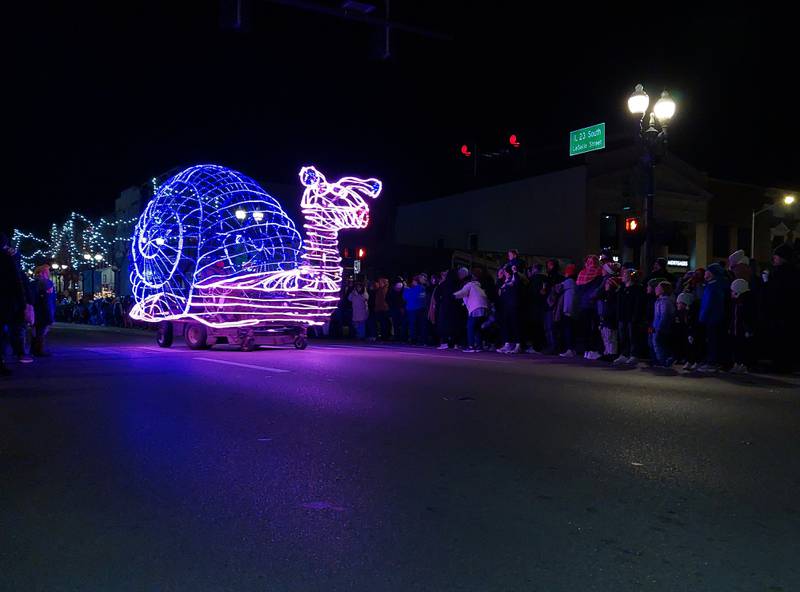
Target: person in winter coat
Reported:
point(607, 316)
point(415, 297)
point(742, 325)
point(477, 304)
point(448, 311)
point(359, 299)
point(397, 310)
point(712, 314)
point(566, 309)
point(781, 295)
point(659, 272)
point(631, 317)
point(509, 295)
point(12, 298)
point(381, 309)
point(663, 324)
point(552, 278)
point(588, 287)
point(44, 308)
point(687, 339)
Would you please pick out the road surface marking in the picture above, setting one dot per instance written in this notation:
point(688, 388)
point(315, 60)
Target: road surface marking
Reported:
point(267, 368)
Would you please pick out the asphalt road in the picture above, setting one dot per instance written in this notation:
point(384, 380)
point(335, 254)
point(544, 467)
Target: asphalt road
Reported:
point(128, 467)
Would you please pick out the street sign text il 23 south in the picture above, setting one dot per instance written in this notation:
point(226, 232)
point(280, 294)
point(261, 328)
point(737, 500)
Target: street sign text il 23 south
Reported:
point(587, 139)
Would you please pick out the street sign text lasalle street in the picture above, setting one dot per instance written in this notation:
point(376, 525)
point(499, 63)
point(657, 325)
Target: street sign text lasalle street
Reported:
point(587, 139)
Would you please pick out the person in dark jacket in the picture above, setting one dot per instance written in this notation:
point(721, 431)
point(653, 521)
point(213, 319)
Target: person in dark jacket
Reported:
point(44, 308)
point(552, 279)
point(607, 310)
point(536, 281)
point(397, 309)
point(687, 339)
point(781, 295)
point(509, 295)
point(12, 298)
point(712, 314)
point(631, 317)
point(448, 311)
point(742, 325)
point(659, 272)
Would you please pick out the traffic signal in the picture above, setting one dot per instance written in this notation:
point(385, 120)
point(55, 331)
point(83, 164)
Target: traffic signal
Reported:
point(634, 237)
point(513, 139)
point(632, 225)
point(361, 253)
point(465, 151)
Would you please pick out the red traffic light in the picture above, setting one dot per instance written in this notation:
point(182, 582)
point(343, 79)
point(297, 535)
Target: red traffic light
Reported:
point(361, 253)
point(513, 140)
point(631, 224)
point(465, 150)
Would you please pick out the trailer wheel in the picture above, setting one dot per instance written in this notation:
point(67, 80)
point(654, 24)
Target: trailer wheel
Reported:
point(196, 336)
point(248, 344)
point(165, 334)
point(300, 342)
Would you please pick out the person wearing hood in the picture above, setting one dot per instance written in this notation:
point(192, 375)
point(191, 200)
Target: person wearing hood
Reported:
point(712, 315)
point(588, 287)
point(477, 304)
point(552, 279)
point(781, 303)
point(742, 325)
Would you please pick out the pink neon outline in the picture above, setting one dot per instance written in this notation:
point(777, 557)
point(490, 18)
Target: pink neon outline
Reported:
point(306, 295)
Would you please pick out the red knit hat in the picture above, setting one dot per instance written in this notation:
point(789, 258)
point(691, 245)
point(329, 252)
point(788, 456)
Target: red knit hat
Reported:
point(570, 270)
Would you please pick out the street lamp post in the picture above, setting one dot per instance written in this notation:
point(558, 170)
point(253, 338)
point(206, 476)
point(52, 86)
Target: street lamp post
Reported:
point(788, 200)
point(653, 141)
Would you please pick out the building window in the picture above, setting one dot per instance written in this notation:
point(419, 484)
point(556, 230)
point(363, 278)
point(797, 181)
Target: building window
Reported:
point(721, 244)
point(609, 231)
point(472, 241)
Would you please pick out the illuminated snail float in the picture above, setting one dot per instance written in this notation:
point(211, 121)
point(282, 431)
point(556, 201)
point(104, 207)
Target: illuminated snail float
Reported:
point(213, 247)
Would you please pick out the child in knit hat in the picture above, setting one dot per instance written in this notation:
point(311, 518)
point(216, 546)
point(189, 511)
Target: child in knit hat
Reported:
point(742, 325)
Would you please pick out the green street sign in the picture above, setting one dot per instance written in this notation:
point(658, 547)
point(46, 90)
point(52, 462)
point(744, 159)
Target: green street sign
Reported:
point(587, 139)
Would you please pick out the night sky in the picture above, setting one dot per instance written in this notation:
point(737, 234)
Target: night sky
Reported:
point(106, 96)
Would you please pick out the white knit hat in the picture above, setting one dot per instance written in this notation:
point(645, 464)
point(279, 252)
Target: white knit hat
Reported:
point(739, 286)
point(686, 297)
point(737, 257)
